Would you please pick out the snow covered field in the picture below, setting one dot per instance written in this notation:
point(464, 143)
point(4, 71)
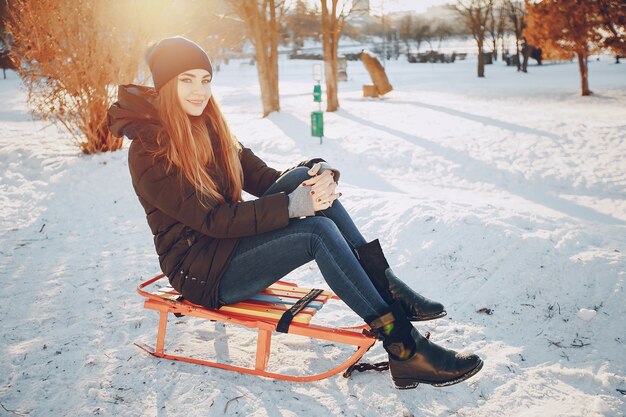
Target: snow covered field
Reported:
point(506, 193)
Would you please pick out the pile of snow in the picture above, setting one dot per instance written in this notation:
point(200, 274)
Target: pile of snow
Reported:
point(504, 195)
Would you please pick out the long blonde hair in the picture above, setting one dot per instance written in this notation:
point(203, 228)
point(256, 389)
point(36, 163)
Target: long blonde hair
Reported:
point(185, 142)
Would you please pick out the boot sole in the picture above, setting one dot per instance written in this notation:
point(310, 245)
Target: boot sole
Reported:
point(426, 318)
point(402, 383)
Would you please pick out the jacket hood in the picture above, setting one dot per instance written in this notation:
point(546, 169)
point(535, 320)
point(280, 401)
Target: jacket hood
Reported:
point(134, 114)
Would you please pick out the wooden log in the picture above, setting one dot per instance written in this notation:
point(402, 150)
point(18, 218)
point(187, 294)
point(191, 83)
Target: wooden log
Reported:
point(377, 72)
point(369, 90)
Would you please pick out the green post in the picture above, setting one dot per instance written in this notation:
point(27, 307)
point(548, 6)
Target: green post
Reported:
point(317, 93)
point(317, 117)
point(317, 124)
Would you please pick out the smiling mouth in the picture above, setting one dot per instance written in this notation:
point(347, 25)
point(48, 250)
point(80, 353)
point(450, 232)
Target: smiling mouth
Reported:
point(196, 102)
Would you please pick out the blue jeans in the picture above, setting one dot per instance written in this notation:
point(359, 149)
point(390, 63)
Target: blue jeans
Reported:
point(328, 238)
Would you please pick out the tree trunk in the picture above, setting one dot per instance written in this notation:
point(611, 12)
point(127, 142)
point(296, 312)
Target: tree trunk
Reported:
point(269, 88)
point(274, 28)
point(584, 73)
point(330, 73)
point(263, 31)
point(330, 70)
point(268, 81)
point(526, 53)
point(481, 61)
point(330, 38)
point(517, 23)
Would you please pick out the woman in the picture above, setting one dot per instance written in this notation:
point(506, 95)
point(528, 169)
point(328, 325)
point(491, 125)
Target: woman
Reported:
point(189, 171)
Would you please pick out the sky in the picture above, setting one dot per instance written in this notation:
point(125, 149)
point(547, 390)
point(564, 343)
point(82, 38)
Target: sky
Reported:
point(390, 6)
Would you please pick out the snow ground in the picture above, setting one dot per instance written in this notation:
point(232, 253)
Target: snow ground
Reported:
point(506, 193)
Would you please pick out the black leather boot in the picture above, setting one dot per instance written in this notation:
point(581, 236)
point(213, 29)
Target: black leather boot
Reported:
point(413, 359)
point(417, 307)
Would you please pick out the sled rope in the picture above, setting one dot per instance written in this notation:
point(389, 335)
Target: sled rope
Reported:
point(365, 366)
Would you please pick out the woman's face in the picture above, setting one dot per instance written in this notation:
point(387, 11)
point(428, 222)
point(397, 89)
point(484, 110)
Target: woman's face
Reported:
point(194, 90)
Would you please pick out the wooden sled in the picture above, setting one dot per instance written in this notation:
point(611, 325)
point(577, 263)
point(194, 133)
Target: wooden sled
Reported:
point(263, 312)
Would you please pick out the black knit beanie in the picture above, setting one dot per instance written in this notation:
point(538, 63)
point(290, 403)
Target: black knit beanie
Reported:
point(171, 56)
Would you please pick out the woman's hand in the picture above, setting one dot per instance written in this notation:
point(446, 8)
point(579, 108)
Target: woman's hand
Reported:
point(322, 187)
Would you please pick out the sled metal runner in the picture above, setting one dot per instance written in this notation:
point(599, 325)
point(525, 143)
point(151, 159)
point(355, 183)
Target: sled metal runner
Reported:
point(261, 312)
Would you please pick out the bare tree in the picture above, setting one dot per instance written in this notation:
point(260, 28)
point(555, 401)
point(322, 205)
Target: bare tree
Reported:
point(263, 20)
point(422, 32)
point(333, 20)
point(419, 29)
point(441, 29)
point(496, 24)
point(70, 59)
point(74, 53)
point(517, 17)
point(302, 23)
point(476, 14)
point(211, 24)
point(394, 38)
point(405, 26)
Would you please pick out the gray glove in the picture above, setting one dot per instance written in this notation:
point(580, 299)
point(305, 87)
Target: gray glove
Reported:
point(301, 202)
point(325, 166)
